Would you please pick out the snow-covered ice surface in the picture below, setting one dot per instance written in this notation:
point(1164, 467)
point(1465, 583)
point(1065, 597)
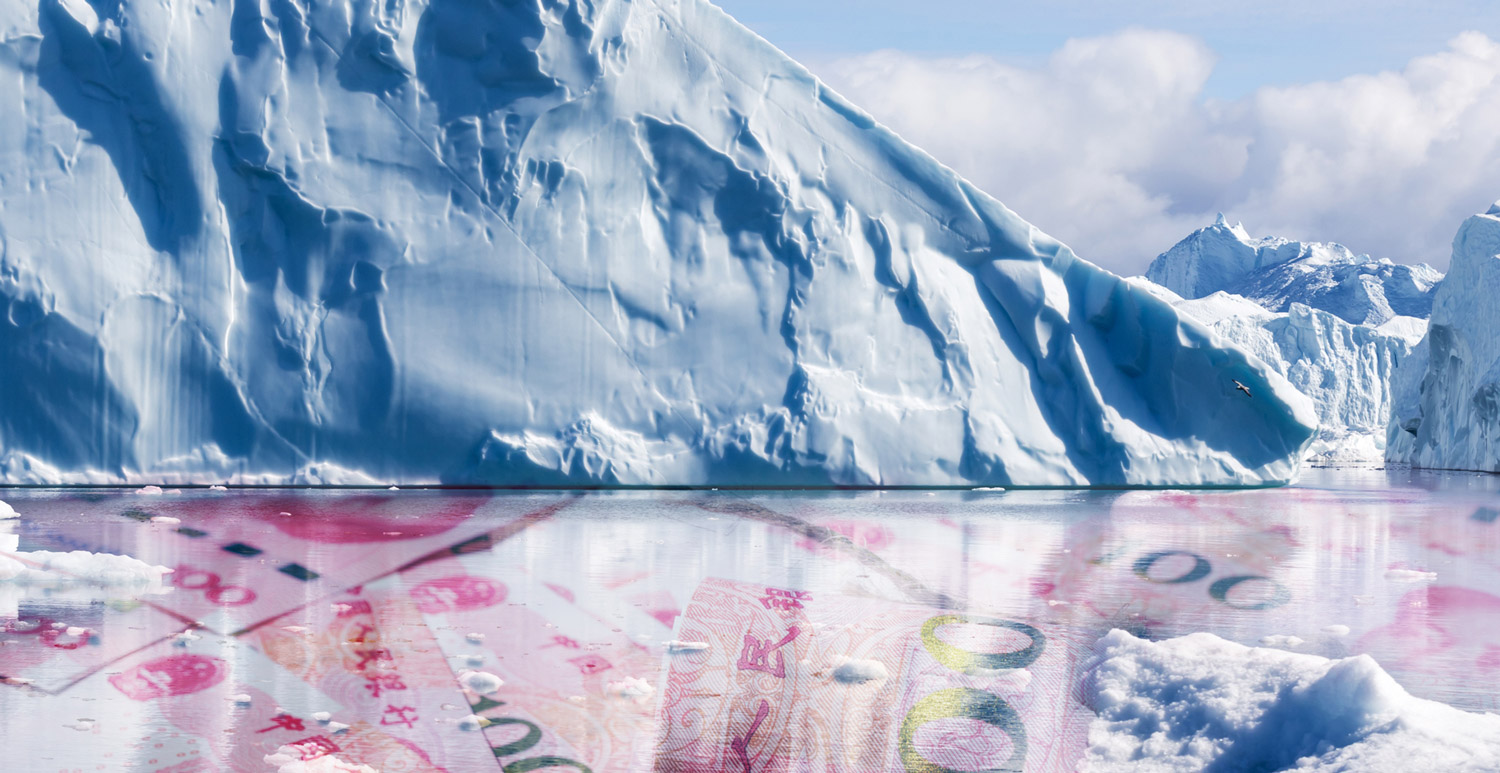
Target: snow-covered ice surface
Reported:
point(545, 242)
point(508, 627)
point(1447, 412)
point(1277, 273)
point(1348, 370)
point(1200, 703)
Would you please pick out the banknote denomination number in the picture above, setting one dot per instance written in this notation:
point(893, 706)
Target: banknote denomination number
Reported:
point(967, 702)
point(1220, 589)
point(213, 587)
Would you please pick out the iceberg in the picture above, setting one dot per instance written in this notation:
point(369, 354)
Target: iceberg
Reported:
point(1349, 371)
point(1277, 273)
point(574, 242)
point(1447, 400)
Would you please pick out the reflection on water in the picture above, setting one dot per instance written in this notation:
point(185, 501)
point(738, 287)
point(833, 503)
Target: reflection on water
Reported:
point(697, 631)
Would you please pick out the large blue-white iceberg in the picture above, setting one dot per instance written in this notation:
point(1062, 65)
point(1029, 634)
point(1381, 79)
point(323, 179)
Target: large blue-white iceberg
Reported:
point(546, 242)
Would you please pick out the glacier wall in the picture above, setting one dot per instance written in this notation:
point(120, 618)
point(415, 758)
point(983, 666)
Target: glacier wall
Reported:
point(1447, 412)
point(545, 242)
point(1349, 371)
point(1277, 273)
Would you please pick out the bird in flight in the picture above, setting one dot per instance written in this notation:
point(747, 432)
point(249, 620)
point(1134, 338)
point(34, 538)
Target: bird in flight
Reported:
point(1241, 387)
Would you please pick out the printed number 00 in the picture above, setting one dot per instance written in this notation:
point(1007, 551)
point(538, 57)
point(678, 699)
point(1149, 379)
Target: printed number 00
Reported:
point(213, 587)
point(967, 702)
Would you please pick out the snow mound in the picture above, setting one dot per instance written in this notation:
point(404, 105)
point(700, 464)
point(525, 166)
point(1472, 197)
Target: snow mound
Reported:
point(1349, 371)
point(1200, 703)
point(572, 242)
point(1447, 412)
point(44, 567)
point(1277, 273)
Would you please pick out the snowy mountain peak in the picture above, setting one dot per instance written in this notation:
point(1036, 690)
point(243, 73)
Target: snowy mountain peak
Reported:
point(1277, 272)
point(538, 242)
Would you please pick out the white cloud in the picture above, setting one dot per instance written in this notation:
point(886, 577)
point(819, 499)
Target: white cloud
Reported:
point(1111, 146)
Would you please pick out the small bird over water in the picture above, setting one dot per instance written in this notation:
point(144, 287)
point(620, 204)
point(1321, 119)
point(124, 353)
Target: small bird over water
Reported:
point(1241, 387)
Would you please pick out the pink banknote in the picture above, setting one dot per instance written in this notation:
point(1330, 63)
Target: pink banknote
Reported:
point(239, 561)
point(777, 679)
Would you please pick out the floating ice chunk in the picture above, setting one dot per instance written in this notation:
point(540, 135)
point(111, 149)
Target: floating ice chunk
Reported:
point(149, 490)
point(1336, 630)
point(481, 682)
point(321, 716)
point(241, 699)
point(290, 759)
point(337, 727)
point(82, 724)
point(1281, 641)
point(218, 488)
point(1199, 702)
point(167, 519)
point(7, 512)
point(475, 637)
point(1409, 575)
point(393, 488)
point(631, 688)
point(860, 671)
point(473, 722)
point(48, 568)
point(686, 646)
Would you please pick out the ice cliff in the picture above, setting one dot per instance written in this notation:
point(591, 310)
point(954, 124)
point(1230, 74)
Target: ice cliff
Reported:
point(1348, 371)
point(1277, 273)
point(1447, 411)
point(545, 242)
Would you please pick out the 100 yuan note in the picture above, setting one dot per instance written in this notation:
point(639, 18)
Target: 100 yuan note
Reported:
point(780, 680)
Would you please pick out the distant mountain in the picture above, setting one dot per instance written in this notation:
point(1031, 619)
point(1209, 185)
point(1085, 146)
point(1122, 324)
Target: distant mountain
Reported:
point(1447, 411)
point(546, 242)
point(1276, 273)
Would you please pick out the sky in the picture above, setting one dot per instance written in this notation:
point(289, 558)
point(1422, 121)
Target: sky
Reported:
point(1122, 127)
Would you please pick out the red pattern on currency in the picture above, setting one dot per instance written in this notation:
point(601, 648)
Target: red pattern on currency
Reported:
point(284, 722)
point(171, 675)
point(457, 594)
point(755, 655)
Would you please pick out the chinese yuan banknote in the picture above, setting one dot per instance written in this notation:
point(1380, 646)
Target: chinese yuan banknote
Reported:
point(774, 679)
point(240, 561)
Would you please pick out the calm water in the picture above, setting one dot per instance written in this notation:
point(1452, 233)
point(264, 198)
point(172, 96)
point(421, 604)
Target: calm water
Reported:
point(688, 631)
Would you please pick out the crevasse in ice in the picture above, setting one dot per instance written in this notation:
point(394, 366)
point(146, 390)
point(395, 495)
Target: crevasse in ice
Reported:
point(1447, 399)
point(561, 242)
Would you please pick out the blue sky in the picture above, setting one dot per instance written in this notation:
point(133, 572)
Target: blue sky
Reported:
point(1271, 42)
point(1120, 127)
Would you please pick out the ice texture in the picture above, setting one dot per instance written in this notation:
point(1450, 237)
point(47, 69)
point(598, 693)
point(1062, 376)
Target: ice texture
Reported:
point(1348, 370)
point(1277, 273)
point(1447, 411)
point(1199, 703)
point(546, 243)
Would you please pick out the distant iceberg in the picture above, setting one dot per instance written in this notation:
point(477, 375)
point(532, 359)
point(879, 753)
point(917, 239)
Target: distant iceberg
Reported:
point(1447, 411)
point(561, 243)
point(1276, 273)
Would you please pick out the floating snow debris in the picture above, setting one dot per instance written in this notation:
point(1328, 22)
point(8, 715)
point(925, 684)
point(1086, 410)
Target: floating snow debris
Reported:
point(45, 567)
point(860, 671)
point(473, 722)
point(1336, 630)
point(291, 759)
point(1202, 703)
point(218, 488)
point(165, 519)
point(294, 628)
point(686, 646)
point(337, 727)
point(285, 515)
point(451, 707)
point(1280, 641)
point(82, 724)
point(321, 716)
point(992, 489)
point(475, 661)
point(475, 637)
point(630, 688)
point(17, 681)
point(241, 698)
point(481, 682)
point(1409, 575)
point(184, 638)
point(7, 512)
point(74, 630)
point(149, 490)
point(1056, 603)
